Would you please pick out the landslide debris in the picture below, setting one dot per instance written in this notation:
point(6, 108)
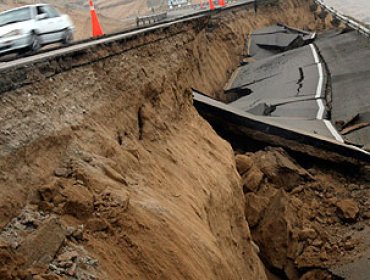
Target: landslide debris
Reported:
point(108, 172)
point(308, 221)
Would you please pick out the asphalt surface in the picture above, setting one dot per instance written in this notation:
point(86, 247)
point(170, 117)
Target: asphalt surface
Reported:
point(240, 127)
point(358, 9)
point(347, 57)
point(274, 39)
point(84, 45)
point(288, 87)
point(360, 268)
point(321, 88)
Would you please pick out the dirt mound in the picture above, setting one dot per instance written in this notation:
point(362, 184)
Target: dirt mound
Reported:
point(109, 171)
point(304, 225)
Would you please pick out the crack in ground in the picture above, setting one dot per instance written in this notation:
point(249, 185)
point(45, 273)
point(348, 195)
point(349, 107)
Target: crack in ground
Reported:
point(300, 81)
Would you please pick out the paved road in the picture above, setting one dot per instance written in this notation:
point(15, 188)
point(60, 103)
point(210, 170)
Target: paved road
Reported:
point(322, 88)
point(287, 88)
point(81, 46)
point(347, 56)
point(358, 9)
point(174, 16)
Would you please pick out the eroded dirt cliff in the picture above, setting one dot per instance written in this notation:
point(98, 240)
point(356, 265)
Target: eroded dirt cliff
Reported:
point(108, 171)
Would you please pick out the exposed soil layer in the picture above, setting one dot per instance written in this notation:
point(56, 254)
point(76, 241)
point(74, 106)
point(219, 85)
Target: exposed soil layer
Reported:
point(305, 219)
point(107, 171)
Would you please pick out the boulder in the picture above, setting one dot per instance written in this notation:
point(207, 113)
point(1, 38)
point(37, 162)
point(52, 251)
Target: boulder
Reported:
point(255, 206)
point(280, 168)
point(307, 233)
point(252, 180)
point(347, 210)
point(243, 163)
point(279, 218)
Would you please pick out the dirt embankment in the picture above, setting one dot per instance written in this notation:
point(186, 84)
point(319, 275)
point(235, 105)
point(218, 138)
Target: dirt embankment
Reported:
point(107, 170)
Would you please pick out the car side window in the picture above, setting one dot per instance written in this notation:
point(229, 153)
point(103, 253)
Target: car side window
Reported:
point(40, 10)
point(49, 11)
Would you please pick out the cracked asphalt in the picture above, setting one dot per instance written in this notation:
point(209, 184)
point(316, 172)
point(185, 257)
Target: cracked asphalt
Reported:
point(320, 86)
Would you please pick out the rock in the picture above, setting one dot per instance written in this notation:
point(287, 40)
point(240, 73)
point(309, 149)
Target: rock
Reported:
point(96, 224)
point(47, 193)
point(255, 205)
point(316, 275)
point(307, 233)
point(79, 201)
point(78, 234)
point(243, 163)
point(61, 172)
point(72, 270)
point(69, 231)
point(297, 190)
point(323, 256)
point(348, 246)
point(347, 210)
point(291, 271)
point(280, 168)
point(80, 182)
point(66, 264)
point(41, 246)
point(252, 180)
point(317, 243)
point(279, 218)
point(67, 256)
point(310, 258)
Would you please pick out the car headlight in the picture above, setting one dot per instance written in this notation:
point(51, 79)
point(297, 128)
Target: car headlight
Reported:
point(15, 32)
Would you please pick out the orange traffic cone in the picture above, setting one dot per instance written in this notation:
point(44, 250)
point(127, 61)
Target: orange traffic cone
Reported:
point(201, 4)
point(211, 5)
point(96, 28)
point(221, 3)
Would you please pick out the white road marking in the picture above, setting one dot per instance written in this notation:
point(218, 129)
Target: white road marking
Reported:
point(333, 131)
point(321, 111)
point(318, 97)
point(315, 55)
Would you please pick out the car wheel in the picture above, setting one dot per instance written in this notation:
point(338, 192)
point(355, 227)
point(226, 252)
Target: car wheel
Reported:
point(35, 43)
point(67, 37)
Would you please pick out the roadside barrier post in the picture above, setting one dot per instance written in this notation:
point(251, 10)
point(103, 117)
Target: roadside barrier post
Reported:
point(96, 28)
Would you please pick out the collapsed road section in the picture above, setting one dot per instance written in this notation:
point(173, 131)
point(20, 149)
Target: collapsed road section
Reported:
point(107, 171)
point(290, 80)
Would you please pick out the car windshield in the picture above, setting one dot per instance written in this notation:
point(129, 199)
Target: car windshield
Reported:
point(14, 16)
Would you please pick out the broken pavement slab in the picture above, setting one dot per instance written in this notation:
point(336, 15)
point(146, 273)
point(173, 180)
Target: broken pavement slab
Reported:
point(347, 56)
point(284, 85)
point(229, 121)
point(273, 39)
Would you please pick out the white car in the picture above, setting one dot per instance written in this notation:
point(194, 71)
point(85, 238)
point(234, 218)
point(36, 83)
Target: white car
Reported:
point(29, 27)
